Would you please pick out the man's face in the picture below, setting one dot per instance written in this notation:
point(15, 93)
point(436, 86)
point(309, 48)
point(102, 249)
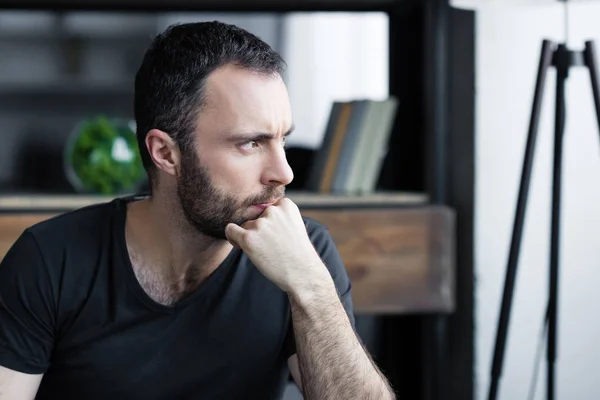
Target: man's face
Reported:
point(238, 164)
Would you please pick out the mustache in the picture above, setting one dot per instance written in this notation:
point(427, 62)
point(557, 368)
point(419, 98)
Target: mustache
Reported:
point(268, 195)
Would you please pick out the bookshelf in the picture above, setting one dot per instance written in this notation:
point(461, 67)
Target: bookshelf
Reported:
point(422, 218)
point(208, 5)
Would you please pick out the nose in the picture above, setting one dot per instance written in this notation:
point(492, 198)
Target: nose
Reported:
point(277, 171)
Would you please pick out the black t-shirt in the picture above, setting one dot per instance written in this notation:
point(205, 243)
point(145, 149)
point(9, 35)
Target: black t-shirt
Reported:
point(72, 308)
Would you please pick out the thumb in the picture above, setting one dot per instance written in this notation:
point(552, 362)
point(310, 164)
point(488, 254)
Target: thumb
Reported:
point(235, 234)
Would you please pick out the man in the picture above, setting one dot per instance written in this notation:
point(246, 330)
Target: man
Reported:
point(213, 285)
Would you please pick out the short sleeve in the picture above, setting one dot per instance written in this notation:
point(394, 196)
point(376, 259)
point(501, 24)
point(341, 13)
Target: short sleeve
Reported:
point(27, 308)
point(327, 250)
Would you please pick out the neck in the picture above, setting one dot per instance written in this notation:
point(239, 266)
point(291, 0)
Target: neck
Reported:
point(162, 240)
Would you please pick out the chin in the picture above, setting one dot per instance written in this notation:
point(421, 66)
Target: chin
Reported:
point(218, 234)
point(253, 216)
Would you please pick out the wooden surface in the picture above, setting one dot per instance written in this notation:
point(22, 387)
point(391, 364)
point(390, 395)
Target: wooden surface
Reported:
point(12, 203)
point(400, 260)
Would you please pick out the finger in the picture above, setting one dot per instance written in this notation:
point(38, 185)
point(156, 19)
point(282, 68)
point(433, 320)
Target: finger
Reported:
point(268, 211)
point(287, 204)
point(282, 201)
point(281, 204)
point(289, 208)
point(235, 234)
point(251, 224)
point(234, 243)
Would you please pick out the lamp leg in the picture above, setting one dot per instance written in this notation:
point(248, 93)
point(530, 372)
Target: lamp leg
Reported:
point(591, 62)
point(562, 64)
point(544, 64)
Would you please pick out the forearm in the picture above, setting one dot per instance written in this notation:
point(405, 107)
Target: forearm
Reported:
point(333, 363)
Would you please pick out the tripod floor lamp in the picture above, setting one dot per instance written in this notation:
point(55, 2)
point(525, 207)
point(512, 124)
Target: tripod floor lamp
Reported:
point(559, 57)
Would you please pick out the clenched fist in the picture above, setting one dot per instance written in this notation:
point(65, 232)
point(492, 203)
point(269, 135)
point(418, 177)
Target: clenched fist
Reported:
point(278, 244)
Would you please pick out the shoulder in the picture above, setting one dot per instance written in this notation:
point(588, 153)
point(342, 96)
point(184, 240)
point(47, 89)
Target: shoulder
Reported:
point(315, 228)
point(326, 247)
point(80, 224)
point(51, 235)
point(319, 235)
point(72, 234)
point(74, 221)
point(328, 251)
point(35, 261)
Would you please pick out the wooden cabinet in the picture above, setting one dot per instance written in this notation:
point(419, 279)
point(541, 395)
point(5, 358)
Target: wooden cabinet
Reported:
point(400, 260)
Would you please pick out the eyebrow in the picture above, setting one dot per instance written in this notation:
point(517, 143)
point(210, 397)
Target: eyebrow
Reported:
point(257, 136)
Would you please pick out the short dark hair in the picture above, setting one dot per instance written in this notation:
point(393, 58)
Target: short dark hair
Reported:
point(169, 85)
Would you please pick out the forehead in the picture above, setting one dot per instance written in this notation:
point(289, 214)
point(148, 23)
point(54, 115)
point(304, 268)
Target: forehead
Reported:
point(239, 99)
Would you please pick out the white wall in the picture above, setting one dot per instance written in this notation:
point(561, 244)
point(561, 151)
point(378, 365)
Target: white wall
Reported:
point(508, 48)
point(332, 56)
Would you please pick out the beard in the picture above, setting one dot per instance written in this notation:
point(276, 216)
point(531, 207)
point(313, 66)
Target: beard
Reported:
point(209, 209)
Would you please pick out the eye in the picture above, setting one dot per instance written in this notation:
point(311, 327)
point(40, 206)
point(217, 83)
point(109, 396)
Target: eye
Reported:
point(252, 144)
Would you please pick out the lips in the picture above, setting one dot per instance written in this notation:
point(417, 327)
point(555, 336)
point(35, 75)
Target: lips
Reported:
point(266, 204)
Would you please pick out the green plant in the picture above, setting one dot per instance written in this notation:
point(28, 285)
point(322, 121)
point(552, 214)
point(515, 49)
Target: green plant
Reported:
point(104, 157)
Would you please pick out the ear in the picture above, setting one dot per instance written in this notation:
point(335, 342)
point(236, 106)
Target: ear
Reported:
point(163, 151)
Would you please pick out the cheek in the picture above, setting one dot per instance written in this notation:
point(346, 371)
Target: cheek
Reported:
point(237, 178)
point(233, 173)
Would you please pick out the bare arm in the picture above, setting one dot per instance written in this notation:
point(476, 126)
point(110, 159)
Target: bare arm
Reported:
point(295, 370)
point(17, 385)
point(332, 362)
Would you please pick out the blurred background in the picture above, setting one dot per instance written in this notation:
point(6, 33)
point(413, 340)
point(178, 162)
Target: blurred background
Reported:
point(509, 38)
point(58, 68)
point(464, 72)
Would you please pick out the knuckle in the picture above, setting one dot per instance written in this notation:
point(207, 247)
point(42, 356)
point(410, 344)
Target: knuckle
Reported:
point(287, 202)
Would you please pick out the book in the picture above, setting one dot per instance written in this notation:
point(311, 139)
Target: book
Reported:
point(355, 141)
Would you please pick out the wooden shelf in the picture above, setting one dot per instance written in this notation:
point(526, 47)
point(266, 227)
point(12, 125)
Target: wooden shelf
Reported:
point(40, 202)
point(397, 249)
